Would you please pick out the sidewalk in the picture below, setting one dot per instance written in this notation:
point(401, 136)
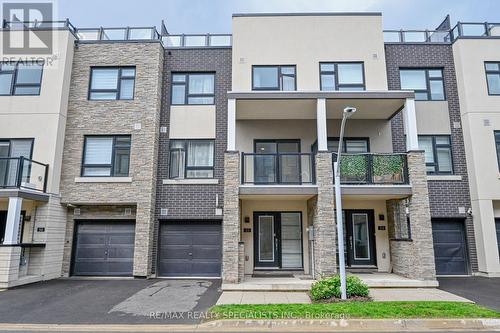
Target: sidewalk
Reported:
point(378, 294)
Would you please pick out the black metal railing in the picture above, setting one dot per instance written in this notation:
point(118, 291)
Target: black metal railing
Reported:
point(373, 169)
point(23, 173)
point(278, 169)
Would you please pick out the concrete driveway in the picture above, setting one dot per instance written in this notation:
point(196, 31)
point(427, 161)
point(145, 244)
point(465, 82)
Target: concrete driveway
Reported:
point(116, 301)
point(483, 291)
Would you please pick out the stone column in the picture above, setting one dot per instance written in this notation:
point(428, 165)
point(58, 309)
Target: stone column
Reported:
point(231, 220)
point(325, 241)
point(413, 258)
point(241, 261)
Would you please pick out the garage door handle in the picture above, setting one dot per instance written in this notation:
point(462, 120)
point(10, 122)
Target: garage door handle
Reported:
point(190, 254)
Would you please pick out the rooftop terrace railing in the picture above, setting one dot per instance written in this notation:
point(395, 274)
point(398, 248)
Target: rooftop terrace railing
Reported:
point(462, 29)
point(118, 34)
point(33, 25)
point(188, 41)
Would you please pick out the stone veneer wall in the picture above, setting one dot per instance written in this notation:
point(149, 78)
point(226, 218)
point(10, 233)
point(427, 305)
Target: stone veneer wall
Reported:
point(139, 118)
point(231, 221)
point(323, 218)
point(445, 196)
point(414, 258)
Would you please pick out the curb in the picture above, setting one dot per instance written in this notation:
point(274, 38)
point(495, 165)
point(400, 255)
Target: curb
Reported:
point(299, 325)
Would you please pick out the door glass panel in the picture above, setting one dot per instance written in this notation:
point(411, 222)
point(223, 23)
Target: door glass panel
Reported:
point(266, 238)
point(265, 165)
point(265, 147)
point(289, 164)
point(360, 235)
point(291, 240)
point(4, 152)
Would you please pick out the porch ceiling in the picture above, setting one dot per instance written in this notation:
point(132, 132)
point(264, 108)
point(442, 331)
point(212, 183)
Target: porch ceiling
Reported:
point(277, 192)
point(302, 105)
point(378, 192)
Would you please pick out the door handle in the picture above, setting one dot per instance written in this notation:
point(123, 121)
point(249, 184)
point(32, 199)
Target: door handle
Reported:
point(190, 253)
point(350, 242)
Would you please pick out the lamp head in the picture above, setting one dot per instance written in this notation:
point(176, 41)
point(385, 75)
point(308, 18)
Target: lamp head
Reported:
point(349, 111)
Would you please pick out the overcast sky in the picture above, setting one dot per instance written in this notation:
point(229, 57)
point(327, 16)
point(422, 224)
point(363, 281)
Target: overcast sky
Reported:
point(214, 16)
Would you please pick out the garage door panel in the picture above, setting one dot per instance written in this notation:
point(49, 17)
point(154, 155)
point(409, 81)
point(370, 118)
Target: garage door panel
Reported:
point(450, 248)
point(190, 248)
point(104, 248)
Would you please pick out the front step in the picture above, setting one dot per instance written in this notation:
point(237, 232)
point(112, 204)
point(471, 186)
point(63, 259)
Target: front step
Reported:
point(274, 274)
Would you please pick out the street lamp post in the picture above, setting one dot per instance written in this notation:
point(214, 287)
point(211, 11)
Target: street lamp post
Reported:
point(348, 112)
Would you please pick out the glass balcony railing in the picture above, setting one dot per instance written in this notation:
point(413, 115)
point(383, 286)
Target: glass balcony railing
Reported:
point(186, 41)
point(278, 169)
point(118, 34)
point(373, 169)
point(23, 173)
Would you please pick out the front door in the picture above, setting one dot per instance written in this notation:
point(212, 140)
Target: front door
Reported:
point(266, 240)
point(360, 232)
point(3, 223)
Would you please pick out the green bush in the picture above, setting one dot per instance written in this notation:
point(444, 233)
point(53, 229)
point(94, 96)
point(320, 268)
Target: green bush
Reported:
point(330, 287)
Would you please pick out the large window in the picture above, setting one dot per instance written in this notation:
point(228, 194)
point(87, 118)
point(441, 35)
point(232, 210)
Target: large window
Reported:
point(274, 78)
point(342, 76)
point(106, 156)
point(497, 143)
point(10, 149)
point(193, 88)
point(438, 158)
point(21, 78)
point(428, 84)
point(191, 159)
point(493, 77)
point(112, 83)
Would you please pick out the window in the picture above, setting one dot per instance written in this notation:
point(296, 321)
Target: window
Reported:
point(342, 76)
point(191, 159)
point(428, 84)
point(21, 78)
point(437, 149)
point(112, 83)
point(274, 78)
point(106, 156)
point(351, 145)
point(493, 77)
point(497, 143)
point(9, 150)
point(193, 88)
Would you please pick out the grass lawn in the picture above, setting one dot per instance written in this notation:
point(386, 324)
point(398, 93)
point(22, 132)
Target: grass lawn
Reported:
point(366, 310)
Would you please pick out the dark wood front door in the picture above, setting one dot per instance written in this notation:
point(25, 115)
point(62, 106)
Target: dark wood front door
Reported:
point(360, 243)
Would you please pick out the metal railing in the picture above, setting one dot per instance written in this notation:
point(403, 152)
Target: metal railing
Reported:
point(278, 168)
point(118, 34)
point(23, 173)
point(461, 29)
point(373, 169)
point(206, 40)
point(33, 25)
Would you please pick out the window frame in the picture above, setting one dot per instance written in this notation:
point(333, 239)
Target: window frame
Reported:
point(428, 80)
point(15, 71)
point(9, 141)
point(280, 78)
point(314, 147)
point(496, 135)
point(435, 146)
point(336, 71)
point(491, 72)
point(187, 95)
point(117, 91)
point(186, 167)
point(113, 153)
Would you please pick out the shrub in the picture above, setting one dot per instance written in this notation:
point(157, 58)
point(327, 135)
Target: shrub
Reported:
point(330, 287)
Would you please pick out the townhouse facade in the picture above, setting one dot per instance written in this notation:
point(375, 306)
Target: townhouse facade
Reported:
point(212, 155)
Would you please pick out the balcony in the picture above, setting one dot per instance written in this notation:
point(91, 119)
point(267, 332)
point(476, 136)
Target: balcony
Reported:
point(118, 34)
point(379, 175)
point(278, 169)
point(195, 41)
point(20, 173)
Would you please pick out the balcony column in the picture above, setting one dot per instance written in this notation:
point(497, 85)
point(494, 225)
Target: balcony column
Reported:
point(321, 124)
point(410, 122)
point(231, 124)
point(13, 221)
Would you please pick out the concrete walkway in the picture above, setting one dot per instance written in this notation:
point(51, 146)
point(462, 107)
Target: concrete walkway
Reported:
point(377, 294)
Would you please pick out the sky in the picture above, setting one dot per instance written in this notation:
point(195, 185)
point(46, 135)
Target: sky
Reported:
point(214, 16)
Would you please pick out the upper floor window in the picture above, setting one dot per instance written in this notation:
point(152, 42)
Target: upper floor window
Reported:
point(20, 78)
point(342, 76)
point(112, 83)
point(10, 150)
point(350, 145)
point(274, 78)
point(193, 88)
point(428, 84)
point(437, 149)
point(497, 143)
point(191, 159)
point(493, 77)
point(106, 156)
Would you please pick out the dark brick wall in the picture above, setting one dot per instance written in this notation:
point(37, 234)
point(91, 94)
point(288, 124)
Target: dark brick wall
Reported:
point(190, 202)
point(445, 196)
